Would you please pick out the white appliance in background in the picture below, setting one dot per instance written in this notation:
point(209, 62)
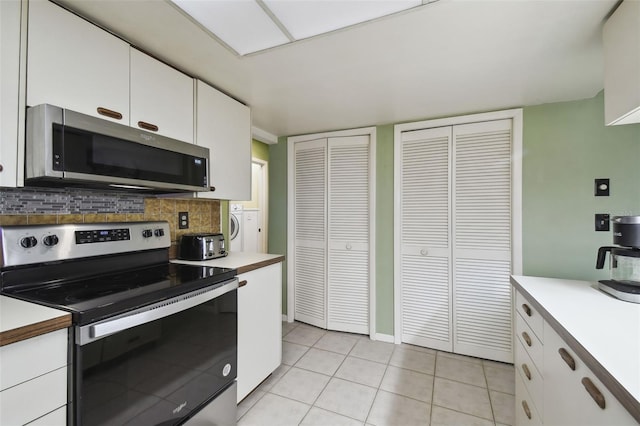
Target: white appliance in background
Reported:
point(236, 225)
point(250, 230)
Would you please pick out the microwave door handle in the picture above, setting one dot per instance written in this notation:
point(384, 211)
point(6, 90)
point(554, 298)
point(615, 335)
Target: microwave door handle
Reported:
point(156, 312)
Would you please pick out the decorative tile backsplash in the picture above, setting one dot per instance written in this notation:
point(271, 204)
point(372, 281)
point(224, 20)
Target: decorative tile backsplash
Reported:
point(29, 206)
point(67, 201)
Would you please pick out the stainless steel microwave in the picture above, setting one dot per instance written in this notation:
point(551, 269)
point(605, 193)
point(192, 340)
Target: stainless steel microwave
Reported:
point(66, 148)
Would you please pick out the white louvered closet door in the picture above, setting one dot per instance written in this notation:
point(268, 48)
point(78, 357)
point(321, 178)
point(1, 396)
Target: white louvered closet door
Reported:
point(425, 236)
point(482, 239)
point(310, 232)
point(348, 223)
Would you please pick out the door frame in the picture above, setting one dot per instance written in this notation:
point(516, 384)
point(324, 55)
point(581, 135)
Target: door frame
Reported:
point(291, 141)
point(263, 201)
point(516, 193)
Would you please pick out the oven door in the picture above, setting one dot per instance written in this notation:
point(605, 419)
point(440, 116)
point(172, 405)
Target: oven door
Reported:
point(159, 364)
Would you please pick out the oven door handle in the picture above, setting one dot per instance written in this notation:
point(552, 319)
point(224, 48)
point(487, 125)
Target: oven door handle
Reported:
point(156, 311)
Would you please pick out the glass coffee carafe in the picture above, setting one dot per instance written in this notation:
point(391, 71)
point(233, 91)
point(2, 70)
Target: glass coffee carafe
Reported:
point(624, 260)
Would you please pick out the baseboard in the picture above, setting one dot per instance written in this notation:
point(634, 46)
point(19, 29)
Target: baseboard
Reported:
point(284, 318)
point(385, 338)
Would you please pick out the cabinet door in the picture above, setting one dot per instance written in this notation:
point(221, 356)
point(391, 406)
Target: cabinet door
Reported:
point(259, 326)
point(348, 234)
point(310, 257)
point(424, 229)
point(74, 64)
point(224, 126)
point(161, 98)
point(566, 398)
point(11, 103)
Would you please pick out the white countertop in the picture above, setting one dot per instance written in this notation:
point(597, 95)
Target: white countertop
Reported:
point(608, 328)
point(233, 260)
point(16, 313)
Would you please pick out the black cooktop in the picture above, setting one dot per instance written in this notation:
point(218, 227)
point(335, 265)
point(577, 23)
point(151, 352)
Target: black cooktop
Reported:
point(92, 298)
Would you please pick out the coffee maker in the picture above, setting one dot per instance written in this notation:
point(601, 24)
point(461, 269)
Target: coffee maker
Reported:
point(624, 260)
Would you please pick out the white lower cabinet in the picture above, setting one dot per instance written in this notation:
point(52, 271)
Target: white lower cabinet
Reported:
point(259, 326)
point(553, 385)
point(572, 393)
point(33, 380)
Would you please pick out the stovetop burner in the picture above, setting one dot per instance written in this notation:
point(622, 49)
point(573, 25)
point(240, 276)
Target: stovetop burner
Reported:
point(621, 290)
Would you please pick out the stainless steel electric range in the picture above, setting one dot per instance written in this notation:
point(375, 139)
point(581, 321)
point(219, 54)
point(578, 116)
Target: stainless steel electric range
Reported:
point(152, 342)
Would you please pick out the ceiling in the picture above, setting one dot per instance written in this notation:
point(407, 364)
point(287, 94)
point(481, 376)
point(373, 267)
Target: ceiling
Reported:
point(440, 59)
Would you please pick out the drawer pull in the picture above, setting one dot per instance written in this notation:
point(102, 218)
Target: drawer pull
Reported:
point(526, 309)
point(147, 126)
point(597, 396)
point(526, 338)
point(212, 188)
point(566, 356)
point(526, 409)
point(242, 283)
point(109, 113)
point(526, 371)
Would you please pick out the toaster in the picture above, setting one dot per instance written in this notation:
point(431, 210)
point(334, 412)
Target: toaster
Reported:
point(201, 246)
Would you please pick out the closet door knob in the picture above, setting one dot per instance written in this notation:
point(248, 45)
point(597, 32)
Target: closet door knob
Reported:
point(424, 252)
point(348, 246)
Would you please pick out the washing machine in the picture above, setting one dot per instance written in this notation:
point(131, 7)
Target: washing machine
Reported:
point(235, 227)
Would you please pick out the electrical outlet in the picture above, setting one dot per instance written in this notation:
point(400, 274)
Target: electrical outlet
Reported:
point(183, 220)
point(602, 188)
point(602, 222)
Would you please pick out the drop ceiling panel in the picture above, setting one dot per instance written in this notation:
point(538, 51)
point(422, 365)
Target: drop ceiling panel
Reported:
point(305, 19)
point(243, 25)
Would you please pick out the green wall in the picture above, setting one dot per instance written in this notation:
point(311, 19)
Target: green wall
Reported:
point(565, 147)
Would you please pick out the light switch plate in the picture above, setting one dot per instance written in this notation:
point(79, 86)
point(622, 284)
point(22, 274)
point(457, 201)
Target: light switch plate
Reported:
point(602, 221)
point(601, 188)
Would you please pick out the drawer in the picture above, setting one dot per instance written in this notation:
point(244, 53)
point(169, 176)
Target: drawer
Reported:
point(54, 418)
point(530, 315)
point(24, 360)
point(526, 412)
point(573, 395)
point(530, 375)
point(530, 342)
point(34, 398)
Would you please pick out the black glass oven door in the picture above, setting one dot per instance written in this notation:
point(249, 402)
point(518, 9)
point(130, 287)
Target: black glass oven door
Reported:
point(158, 372)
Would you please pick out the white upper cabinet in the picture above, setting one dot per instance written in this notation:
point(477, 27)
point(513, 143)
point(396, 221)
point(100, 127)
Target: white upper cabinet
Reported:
point(12, 89)
point(161, 98)
point(76, 65)
point(224, 126)
point(621, 37)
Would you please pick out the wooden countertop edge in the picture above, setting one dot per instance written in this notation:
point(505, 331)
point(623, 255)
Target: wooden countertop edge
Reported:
point(258, 265)
point(626, 399)
point(35, 329)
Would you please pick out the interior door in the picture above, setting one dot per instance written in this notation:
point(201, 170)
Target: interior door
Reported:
point(310, 182)
point(425, 268)
point(348, 232)
point(482, 239)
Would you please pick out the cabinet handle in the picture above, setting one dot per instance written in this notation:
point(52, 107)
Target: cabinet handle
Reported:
point(527, 309)
point(1, 168)
point(597, 396)
point(109, 113)
point(147, 126)
point(526, 409)
point(566, 356)
point(526, 338)
point(212, 188)
point(242, 283)
point(526, 371)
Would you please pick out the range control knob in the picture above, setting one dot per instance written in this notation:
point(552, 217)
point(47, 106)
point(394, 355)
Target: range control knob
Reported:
point(147, 233)
point(159, 232)
point(28, 242)
point(50, 240)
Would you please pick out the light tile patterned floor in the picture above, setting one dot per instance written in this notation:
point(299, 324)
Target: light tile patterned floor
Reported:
point(329, 378)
